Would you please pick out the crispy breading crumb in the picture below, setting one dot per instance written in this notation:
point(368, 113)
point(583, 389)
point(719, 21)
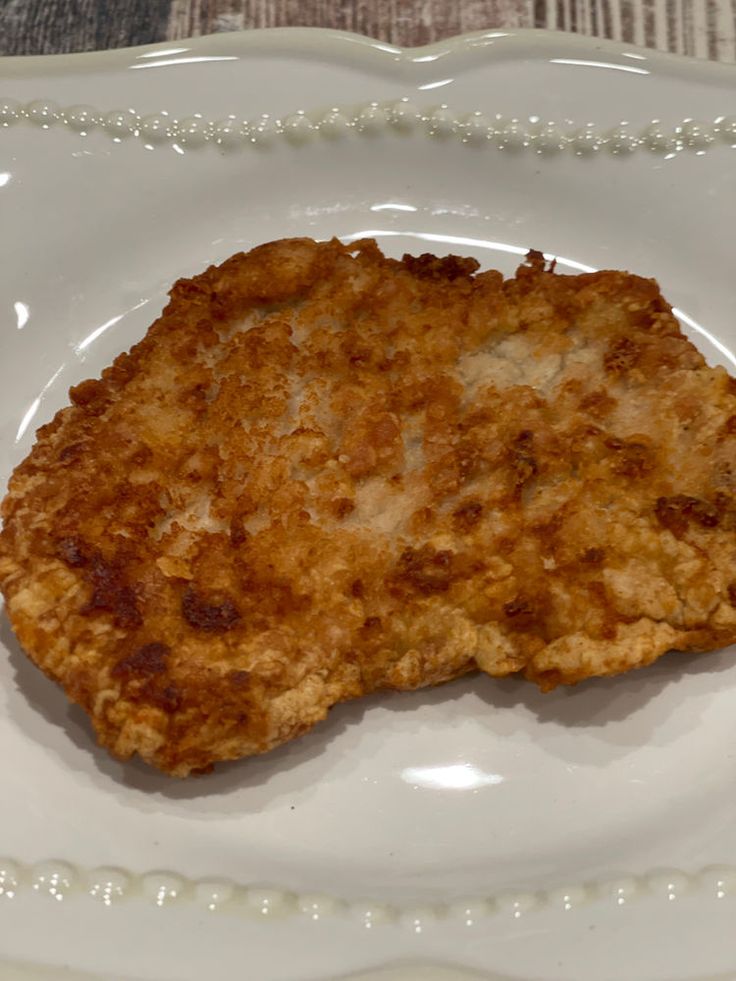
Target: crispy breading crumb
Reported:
point(325, 472)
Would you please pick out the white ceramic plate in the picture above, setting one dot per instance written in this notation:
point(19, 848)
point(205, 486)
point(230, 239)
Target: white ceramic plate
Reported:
point(584, 834)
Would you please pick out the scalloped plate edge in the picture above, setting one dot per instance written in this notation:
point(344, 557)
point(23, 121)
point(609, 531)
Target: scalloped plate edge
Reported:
point(508, 45)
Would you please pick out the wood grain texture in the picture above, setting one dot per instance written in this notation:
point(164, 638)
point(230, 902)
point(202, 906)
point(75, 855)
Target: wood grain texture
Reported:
point(405, 22)
point(705, 28)
point(55, 26)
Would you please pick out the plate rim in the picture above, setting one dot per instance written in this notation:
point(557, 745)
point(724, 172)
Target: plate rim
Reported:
point(512, 44)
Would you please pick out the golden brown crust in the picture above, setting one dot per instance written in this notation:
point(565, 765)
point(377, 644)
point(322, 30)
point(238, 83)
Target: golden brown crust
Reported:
point(325, 472)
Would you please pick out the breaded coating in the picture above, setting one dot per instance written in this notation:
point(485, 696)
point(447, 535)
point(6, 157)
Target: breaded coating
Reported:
point(325, 472)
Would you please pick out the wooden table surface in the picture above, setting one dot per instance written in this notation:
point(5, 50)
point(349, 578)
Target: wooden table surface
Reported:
point(705, 28)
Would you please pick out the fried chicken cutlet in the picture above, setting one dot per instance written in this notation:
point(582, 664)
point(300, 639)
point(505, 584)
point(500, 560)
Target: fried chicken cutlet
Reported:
point(324, 472)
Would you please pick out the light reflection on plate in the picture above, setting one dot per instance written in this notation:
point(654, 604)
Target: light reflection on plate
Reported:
point(456, 776)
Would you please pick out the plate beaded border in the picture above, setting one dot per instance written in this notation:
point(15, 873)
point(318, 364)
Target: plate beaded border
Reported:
point(57, 881)
point(371, 119)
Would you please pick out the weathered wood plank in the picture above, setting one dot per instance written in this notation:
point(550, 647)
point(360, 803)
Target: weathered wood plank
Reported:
point(698, 27)
point(54, 26)
point(406, 22)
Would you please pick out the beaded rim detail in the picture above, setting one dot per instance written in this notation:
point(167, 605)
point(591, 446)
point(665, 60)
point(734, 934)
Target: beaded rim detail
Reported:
point(370, 119)
point(58, 880)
